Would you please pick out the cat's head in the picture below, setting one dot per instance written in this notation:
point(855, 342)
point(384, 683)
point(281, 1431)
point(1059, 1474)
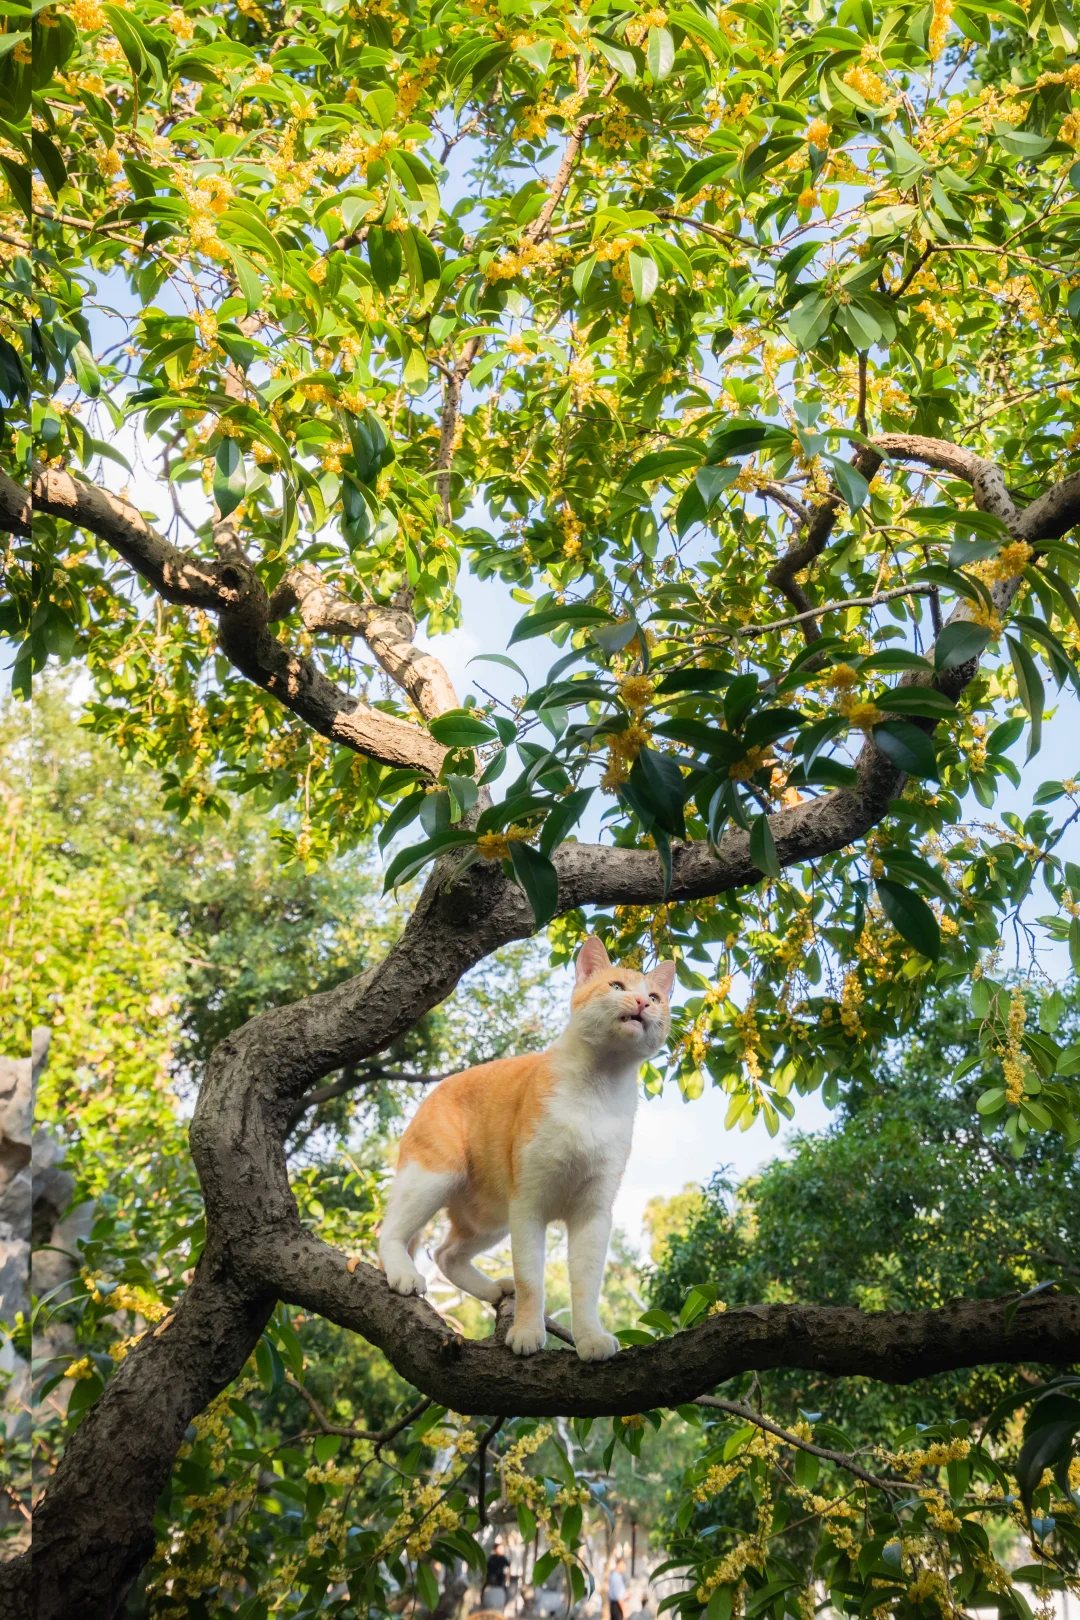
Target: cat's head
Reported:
point(618, 1008)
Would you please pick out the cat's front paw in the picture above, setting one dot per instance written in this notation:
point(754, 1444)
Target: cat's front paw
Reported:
point(505, 1285)
point(596, 1345)
point(406, 1279)
point(526, 1340)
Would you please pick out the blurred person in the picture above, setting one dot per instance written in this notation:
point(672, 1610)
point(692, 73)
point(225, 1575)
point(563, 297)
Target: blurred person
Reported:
point(616, 1589)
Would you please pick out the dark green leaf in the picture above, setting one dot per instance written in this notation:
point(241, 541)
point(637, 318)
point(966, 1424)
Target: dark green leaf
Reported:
point(911, 917)
point(763, 847)
point(230, 479)
point(909, 749)
point(538, 878)
point(959, 643)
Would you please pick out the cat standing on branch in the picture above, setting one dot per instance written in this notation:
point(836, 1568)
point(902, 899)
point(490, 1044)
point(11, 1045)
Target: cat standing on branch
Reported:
point(513, 1145)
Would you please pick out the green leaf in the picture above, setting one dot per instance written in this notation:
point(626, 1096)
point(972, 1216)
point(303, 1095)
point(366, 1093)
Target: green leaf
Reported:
point(1031, 690)
point(660, 53)
point(566, 814)
point(909, 749)
point(644, 276)
point(577, 614)
point(620, 58)
point(427, 1586)
point(230, 478)
point(326, 1447)
point(18, 178)
point(658, 780)
point(850, 482)
point(538, 878)
point(461, 728)
point(911, 917)
point(407, 862)
point(86, 372)
point(763, 847)
point(959, 643)
point(48, 160)
point(712, 481)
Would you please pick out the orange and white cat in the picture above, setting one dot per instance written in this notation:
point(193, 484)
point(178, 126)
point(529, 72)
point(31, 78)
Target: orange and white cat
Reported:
point(513, 1145)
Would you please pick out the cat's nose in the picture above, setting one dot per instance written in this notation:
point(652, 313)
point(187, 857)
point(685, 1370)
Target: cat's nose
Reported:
point(642, 1001)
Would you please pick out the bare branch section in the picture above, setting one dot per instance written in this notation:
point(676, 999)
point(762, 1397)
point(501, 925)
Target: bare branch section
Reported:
point(388, 632)
point(537, 230)
point(476, 1376)
point(233, 591)
point(987, 487)
point(16, 511)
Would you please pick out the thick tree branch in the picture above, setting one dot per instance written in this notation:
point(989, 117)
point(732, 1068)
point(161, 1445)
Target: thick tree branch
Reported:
point(16, 510)
point(476, 1376)
point(179, 576)
point(234, 592)
point(388, 631)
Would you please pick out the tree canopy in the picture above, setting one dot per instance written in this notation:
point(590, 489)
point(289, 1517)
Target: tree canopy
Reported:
point(741, 345)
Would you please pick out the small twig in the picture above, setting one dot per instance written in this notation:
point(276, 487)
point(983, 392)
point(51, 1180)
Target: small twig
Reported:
point(377, 1437)
point(819, 612)
point(481, 1462)
point(860, 414)
point(747, 1413)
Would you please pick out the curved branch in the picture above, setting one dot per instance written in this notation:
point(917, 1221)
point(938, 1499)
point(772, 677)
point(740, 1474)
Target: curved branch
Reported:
point(842, 1460)
point(987, 486)
point(477, 1376)
point(571, 153)
point(388, 631)
point(235, 593)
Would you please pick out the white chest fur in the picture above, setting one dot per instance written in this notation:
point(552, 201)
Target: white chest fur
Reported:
point(578, 1150)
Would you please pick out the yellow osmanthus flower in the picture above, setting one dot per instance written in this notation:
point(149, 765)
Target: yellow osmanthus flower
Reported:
point(181, 25)
point(87, 16)
point(756, 759)
point(636, 692)
point(817, 134)
point(623, 748)
point(79, 1369)
point(866, 83)
point(939, 27)
point(864, 715)
point(808, 198)
point(495, 846)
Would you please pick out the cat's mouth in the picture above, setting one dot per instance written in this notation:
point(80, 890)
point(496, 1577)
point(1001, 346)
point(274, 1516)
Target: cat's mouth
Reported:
point(632, 1018)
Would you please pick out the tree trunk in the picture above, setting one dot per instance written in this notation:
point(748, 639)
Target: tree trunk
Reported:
point(93, 1530)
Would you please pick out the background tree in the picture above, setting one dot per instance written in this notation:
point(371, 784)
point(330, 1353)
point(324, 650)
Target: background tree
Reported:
point(697, 260)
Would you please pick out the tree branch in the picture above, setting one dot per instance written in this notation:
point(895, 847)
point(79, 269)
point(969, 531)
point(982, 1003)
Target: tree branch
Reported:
point(235, 593)
point(748, 1415)
point(536, 231)
point(476, 1376)
point(388, 631)
point(16, 509)
point(987, 486)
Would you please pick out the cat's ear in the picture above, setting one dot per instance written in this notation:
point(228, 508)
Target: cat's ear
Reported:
point(592, 959)
point(663, 976)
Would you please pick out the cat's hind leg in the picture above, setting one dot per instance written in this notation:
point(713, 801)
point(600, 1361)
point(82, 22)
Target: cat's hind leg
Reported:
point(455, 1259)
point(415, 1196)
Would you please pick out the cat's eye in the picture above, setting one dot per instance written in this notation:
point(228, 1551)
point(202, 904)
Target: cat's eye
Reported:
point(617, 984)
point(653, 996)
